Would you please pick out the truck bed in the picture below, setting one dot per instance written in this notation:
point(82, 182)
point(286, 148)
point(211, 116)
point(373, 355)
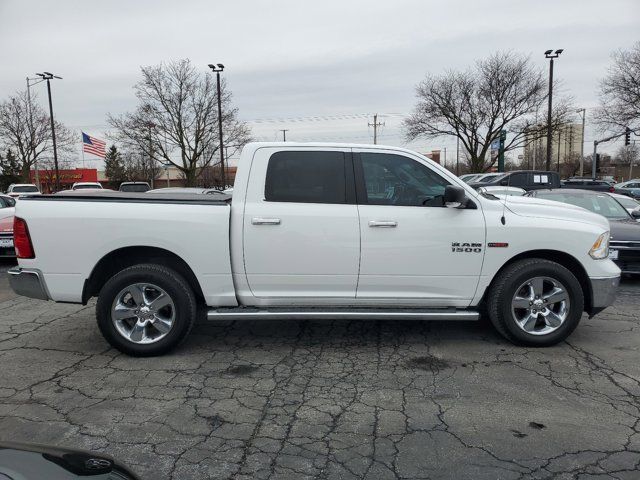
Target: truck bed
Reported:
point(73, 232)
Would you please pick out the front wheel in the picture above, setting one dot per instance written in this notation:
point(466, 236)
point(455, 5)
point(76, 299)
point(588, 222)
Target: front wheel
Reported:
point(146, 310)
point(535, 302)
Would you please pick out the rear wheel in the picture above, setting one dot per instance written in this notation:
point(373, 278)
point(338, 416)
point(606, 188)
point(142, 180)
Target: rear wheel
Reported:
point(146, 310)
point(535, 302)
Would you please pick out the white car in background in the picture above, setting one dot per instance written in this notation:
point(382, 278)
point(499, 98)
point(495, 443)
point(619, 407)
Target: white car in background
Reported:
point(17, 189)
point(627, 202)
point(86, 186)
point(503, 190)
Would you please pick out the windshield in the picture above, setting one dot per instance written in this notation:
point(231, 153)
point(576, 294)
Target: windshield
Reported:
point(490, 178)
point(601, 204)
point(140, 187)
point(25, 189)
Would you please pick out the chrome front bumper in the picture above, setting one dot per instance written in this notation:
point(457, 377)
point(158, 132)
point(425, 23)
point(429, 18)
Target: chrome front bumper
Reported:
point(28, 282)
point(603, 292)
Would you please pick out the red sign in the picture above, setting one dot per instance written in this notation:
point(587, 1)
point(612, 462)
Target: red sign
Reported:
point(67, 177)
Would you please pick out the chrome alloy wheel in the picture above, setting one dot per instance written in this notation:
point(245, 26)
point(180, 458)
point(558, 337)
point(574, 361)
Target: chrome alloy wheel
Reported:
point(143, 313)
point(540, 305)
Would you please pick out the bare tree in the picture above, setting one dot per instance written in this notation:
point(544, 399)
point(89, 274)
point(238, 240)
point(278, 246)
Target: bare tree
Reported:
point(26, 129)
point(628, 155)
point(178, 114)
point(502, 92)
point(138, 166)
point(620, 92)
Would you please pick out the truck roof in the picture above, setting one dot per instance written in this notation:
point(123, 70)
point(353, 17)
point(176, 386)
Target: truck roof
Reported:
point(252, 146)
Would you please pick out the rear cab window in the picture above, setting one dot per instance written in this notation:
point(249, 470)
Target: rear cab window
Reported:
point(308, 177)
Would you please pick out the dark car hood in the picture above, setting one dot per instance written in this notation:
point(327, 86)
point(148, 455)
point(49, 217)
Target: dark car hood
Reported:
point(625, 230)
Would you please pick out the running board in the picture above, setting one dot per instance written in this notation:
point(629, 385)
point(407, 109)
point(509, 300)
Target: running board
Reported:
point(247, 313)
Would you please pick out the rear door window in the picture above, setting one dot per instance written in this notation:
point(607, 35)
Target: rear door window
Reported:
point(306, 177)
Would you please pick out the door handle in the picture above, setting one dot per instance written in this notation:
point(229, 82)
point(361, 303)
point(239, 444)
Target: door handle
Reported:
point(383, 223)
point(265, 221)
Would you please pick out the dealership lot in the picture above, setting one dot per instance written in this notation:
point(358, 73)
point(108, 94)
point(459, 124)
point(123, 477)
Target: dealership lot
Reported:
point(323, 399)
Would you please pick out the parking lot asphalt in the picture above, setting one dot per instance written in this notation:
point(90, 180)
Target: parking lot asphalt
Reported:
point(330, 399)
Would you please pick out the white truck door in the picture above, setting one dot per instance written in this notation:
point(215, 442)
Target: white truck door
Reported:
point(414, 250)
point(301, 230)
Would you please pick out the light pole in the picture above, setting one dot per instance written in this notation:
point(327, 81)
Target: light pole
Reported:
point(584, 113)
point(49, 76)
point(550, 54)
point(31, 132)
point(217, 68)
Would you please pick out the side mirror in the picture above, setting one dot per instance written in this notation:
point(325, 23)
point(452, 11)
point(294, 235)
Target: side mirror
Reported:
point(504, 182)
point(454, 196)
point(635, 214)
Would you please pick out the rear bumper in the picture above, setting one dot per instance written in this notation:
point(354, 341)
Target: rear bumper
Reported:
point(603, 293)
point(28, 282)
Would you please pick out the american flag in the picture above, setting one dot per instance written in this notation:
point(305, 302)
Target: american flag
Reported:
point(93, 145)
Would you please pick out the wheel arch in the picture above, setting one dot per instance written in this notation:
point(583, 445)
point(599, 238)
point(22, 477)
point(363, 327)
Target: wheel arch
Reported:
point(565, 259)
point(121, 258)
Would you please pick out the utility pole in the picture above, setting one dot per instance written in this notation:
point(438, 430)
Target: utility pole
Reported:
point(375, 126)
point(31, 139)
point(548, 54)
point(502, 139)
point(584, 114)
point(458, 156)
point(284, 134)
point(49, 76)
point(559, 133)
point(444, 162)
point(217, 69)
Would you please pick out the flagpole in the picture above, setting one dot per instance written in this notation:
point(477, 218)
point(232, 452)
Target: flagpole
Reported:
point(82, 147)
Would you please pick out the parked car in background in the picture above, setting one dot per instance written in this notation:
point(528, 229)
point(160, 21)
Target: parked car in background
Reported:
point(624, 246)
point(487, 178)
point(17, 189)
point(629, 203)
point(92, 191)
point(317, 231)
point(7, 203)
point(86, 186)
point(525, 179)
point(588, 184)
point(469, 177)
point(134, 187)
point(7, 212)
point(28, 461)
point(505, 191)
point(631, 188)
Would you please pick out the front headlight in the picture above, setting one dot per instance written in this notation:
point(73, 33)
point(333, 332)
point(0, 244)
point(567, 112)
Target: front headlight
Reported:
point(600, 248)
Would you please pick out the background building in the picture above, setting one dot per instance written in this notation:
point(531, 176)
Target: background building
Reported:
point(565, 147)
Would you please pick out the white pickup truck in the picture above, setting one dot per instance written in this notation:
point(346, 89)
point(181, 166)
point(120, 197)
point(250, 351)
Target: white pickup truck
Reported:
point(317, 231)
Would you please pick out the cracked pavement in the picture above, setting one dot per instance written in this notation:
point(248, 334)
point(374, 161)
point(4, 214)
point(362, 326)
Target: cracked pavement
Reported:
point(334, 400)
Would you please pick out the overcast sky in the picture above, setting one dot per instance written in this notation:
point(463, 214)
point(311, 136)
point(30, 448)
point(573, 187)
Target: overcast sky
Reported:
point(317, 68)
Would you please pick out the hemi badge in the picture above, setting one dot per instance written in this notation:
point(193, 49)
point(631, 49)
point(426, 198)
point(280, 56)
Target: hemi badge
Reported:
point(498, 244)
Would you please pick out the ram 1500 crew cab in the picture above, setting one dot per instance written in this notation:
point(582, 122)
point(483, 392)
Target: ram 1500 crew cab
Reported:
point(317, 231)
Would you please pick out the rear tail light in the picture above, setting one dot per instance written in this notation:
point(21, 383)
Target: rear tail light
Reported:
point(22, 239)
point(611, 189)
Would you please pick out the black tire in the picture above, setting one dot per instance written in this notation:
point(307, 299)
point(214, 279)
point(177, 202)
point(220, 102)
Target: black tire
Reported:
point(503, 290)
point(172, 283)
